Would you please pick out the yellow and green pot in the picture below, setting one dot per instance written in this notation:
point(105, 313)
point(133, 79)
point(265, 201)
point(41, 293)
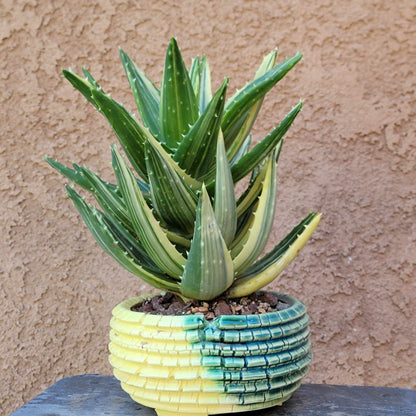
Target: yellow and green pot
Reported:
point(187, 365)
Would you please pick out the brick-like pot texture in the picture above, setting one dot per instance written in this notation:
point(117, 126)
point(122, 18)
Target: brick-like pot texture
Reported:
point(351, 154)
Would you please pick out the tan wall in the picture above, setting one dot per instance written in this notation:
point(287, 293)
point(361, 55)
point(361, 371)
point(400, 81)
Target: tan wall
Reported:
point(351, 154)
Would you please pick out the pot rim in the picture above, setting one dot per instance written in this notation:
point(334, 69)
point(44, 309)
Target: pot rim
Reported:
point(295, 309)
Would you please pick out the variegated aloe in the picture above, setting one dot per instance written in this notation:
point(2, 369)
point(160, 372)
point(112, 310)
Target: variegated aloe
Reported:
point(176, 222)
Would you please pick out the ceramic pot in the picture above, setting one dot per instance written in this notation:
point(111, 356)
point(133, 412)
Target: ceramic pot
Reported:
point(187, 365)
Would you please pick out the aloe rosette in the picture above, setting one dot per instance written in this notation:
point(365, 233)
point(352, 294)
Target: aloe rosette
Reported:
point(174, 219)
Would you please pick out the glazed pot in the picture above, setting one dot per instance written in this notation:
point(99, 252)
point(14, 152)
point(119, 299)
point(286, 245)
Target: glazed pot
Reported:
point(187, 365)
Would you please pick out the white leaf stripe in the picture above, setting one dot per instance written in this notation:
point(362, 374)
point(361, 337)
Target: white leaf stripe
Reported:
point(224, 202)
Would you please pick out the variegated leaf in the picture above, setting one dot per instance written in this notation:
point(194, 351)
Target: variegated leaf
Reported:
point(238, 105)
point(94, 221)
point(252, 192)
point(242, 151)
point(83, 86)
point(129, 243)
point(253, 243)
point(266, 65)
point(131, 134)
point(272, 264)
point(147, 228)
point(224, 201)
point(173, 200)
point(194, 76)
point(189, 180)
point(209, 269)
point(145, 93)
point(205, 89)
point(107, 196)
point(75, 175)
point(262, 149)
point(246, 200)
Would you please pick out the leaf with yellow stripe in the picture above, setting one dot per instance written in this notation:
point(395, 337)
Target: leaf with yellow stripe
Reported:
point(266, 65)
point(255, 239)
point(224, 201)
point(104, 237)
point(272, 264)
point(151, 235)
point(174, 201)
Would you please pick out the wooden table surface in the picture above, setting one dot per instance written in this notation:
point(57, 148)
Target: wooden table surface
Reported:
point(96, 395)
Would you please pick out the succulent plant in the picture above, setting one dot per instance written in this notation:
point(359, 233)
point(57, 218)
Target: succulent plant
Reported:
point(176, 222)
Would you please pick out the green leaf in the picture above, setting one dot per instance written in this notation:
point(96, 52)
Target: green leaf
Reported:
point(75, 175)
point(196, 153)
point(83, 86)
point(254, 241)
point(128, 130)
point(208, 270)
point(189, 180)
point(130, 243)
point(259, 152)
point(94, 221)
point(178, 106)
point(107, 196)
point(102, 190)
point(242, 151)
point(194, 75)
point(224, 202)
point(267, 64)
point(131, 134)
point(238, 106)
point(145, 93)
point(246, 200)
point(250, 195)
point(90, 78)
point(173, 200)
point(272, 264)
point(147, 228)
point(205, 89)
point(244, 222)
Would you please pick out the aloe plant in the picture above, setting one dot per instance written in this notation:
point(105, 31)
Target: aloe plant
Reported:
point(174, 219)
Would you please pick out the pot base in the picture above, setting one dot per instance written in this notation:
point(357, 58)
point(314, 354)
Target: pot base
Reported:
point(217, 410)
point(169, 413)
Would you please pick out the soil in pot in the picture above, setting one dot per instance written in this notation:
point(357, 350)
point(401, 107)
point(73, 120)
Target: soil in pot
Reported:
point(170, 304)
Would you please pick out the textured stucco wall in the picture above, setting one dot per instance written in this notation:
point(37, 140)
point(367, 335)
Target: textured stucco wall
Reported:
point(351, 154)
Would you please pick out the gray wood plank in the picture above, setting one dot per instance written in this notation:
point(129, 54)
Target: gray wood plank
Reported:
point(95, 395)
